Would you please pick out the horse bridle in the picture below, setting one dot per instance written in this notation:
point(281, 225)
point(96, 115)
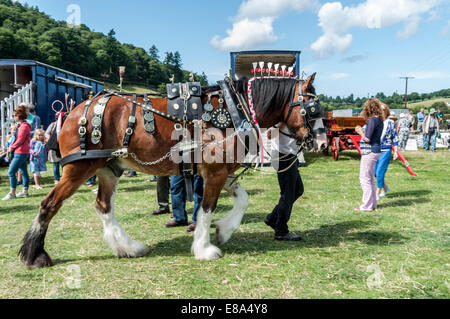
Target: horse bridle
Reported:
point(309, 110)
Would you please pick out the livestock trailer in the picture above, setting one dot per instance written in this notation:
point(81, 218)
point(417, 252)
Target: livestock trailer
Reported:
point(27, 81)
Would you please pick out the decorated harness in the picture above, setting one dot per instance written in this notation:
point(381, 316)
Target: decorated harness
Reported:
point(184, 108)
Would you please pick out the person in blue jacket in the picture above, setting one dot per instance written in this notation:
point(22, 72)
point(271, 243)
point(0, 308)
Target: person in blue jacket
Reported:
point(388, 142)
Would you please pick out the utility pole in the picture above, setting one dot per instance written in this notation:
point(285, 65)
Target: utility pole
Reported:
point(406, 89)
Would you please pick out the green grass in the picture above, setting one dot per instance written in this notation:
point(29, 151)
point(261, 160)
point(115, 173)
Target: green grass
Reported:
point(399, 251)
point(130, 88)
point(428, 103)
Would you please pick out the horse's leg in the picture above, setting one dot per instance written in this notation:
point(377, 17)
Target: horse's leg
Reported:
point(226, 226)
point(202, 247)
point(117, 239)
point(32, 252)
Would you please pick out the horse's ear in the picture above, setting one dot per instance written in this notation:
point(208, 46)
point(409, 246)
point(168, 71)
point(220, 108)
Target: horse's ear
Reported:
point(311, 79)
point(309, 82)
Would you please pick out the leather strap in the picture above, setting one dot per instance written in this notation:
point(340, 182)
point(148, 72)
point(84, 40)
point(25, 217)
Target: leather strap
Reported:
point(149, 118)
point(83, 122)
point(97, 119)
point(131, 124)
point(236, 115)
point(92, 154)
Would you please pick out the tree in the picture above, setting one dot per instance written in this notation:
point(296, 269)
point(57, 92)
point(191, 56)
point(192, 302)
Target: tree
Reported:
point(154, 53)
point(441, 105)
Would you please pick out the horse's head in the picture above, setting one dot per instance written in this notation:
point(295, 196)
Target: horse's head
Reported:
point(303, 116)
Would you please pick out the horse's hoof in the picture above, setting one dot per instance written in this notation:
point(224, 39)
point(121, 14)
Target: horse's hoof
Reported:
point(209, 253)
point(140, 250)
point(41, 261)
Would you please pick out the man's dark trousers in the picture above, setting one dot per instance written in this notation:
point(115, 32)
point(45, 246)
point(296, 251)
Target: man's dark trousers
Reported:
point(162, 193)
point(291, 187)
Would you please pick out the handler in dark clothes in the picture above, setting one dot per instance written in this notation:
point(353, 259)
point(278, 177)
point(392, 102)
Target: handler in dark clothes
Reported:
point(162, 194)
point(285, 162)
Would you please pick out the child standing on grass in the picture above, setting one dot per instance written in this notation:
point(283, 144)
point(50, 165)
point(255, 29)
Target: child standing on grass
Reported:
point(11, 140)
point(38, 157)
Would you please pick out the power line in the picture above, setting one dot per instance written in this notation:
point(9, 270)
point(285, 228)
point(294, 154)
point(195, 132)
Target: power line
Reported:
point(406, 89)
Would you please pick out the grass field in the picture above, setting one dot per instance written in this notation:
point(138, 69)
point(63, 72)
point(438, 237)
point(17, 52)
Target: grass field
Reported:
point(429, 103)
point(399, 251)
point(130, 88)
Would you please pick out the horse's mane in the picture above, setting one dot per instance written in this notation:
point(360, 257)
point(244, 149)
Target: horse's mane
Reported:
point(269, 94)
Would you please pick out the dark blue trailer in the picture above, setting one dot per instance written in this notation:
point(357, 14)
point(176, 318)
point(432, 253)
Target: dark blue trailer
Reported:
point(49, 84)
point(241, 62)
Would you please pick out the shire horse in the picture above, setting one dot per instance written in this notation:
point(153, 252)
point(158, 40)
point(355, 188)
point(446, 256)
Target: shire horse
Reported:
point(273, 105)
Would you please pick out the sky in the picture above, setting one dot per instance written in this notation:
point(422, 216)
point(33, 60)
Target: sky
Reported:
point(358, 47)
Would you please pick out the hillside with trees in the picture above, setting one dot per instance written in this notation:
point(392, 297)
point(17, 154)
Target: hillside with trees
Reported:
point(27, 33)
point(394, 101)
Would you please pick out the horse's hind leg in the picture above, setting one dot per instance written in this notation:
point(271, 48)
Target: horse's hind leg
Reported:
point(226, 226)
point(32, 252)
point(114, 235)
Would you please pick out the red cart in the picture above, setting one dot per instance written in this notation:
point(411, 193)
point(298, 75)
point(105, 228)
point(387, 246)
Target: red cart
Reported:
point(341, 134)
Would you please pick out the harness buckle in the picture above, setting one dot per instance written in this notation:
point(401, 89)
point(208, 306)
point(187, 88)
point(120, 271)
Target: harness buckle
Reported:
point(96, 135)
point(129, 131)
point(122, 153)
point(82, 131)
point(82, 121)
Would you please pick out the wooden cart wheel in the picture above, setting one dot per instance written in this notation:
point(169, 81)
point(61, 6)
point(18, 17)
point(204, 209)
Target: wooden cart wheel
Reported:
point(335, 148)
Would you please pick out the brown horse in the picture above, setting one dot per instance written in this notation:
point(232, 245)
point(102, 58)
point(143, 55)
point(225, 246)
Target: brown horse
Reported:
point(151, 148)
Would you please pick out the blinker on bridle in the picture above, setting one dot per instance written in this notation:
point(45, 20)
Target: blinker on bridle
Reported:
point(309, 110)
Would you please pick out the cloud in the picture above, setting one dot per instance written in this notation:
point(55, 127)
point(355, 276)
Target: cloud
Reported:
point(253, 24)
point(254, 9)
point(355, 58)
point(246, 34)
point(337, 20)
point(411, 28)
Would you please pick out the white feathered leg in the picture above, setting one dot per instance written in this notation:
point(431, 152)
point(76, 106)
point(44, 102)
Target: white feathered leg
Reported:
point(202, 247)
point(117, 239)
point(226, 226)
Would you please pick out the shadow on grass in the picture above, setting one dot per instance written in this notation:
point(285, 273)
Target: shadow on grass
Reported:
point(15, 209)
point(240, 243)
point(310, 158)
point(147, 186)
point(404, 202)
point(417, 193)
point(61, 261)
point(260, 242)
